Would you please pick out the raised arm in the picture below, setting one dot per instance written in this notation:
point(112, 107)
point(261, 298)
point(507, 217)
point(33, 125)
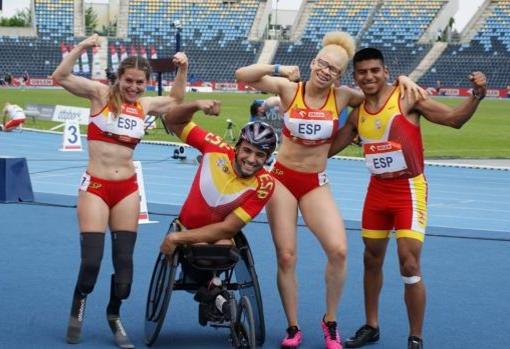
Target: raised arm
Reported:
point(345, 135)
point(181, 78)
point(78, 85)
point(456, 117)
point(180, 115)
point(259, 76)
point(163, 104)
point(211, 233)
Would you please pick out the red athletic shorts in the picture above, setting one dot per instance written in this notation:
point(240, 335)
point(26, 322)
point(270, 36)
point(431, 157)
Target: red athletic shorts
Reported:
point(13, 123)
point(398, 204)
point(112, 192)
point(298, 183)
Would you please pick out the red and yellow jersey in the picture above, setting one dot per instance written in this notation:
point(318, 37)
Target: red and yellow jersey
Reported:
point(217, 190)
point(392, 144)
point(308, 126)
point(126, 129)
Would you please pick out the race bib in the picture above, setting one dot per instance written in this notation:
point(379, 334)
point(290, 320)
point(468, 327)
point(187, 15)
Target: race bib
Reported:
point(323, 178)
point(125, 126)
point(84, 182)
point(384, 157)
point(310, 125)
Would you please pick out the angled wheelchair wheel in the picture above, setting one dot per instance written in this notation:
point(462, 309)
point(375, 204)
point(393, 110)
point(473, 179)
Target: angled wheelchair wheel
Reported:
point(160, 291)
point(245, 325)
point(246, 277)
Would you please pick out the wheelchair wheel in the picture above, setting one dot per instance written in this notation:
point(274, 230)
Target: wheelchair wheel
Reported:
point(245, 325)
point(158, 299)
point(247, 277)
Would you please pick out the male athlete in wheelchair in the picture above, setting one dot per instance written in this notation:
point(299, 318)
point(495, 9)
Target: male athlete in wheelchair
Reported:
point(204, 250)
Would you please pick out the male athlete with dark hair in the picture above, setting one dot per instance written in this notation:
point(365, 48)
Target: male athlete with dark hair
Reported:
point(389, 129)
point(230, 187)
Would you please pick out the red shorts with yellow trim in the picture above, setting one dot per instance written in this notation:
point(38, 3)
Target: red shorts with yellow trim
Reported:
point(298, 183)
point(13, 123)
point(398, 204)
point(112, 192)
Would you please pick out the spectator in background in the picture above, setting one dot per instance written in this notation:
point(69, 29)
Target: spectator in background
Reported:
point(8, 79)
point(260, 108)
point(508, 91)
point(25, 77)
point(16, 117)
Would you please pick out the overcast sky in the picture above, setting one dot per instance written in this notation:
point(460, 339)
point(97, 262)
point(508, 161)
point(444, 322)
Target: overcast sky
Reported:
point(466, 8)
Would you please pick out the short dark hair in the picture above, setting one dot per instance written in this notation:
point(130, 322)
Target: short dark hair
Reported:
point(255, 106)
point(366, 54)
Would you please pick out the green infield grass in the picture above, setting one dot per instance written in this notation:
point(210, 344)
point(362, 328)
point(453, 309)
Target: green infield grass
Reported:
point(486, 135)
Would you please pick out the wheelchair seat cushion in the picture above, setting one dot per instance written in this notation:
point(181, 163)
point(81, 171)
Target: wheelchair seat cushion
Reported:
point(211, 257)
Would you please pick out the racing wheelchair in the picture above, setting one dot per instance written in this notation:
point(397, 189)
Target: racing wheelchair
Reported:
point(224, 282)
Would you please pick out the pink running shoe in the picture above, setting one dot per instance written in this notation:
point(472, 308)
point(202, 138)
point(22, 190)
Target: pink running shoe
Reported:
point(331, 335)
point(293, 338)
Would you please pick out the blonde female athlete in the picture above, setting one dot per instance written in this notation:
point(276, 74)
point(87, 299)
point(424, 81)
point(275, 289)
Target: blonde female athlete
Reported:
point(310, 123)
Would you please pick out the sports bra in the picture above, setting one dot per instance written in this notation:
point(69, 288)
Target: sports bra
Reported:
point(127, 128)
point(308, 126)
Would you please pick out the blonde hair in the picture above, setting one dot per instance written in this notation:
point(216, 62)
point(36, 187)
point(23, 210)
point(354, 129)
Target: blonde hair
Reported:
point(135, 62)
point(342, 44)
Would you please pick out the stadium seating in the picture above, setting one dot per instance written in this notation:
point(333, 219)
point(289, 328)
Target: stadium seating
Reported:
point(40, 55)
point(489, 51)
point(54, 19)
point(395, 29)
point(325, 16)
point(213, 33)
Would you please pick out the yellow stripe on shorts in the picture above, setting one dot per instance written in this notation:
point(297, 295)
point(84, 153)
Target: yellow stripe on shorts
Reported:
point(375, 234)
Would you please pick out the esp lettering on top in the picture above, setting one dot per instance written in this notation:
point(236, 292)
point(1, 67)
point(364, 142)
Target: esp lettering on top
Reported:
point(126, 123)
point(383, 162)
point(309, 129)
point(216, 140)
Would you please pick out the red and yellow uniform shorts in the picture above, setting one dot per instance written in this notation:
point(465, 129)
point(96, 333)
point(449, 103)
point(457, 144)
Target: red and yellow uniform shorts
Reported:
point(398, 204)
point(298, 183)
point(112, 192)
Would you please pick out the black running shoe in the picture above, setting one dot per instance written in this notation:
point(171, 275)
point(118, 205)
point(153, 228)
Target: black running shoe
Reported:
point(366, 334)
point(414, 342)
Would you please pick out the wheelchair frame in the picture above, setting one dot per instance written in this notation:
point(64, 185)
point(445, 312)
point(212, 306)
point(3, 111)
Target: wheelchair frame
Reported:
point(249, 303)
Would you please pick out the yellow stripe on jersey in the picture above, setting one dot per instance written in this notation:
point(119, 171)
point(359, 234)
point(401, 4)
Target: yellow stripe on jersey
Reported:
point(329, 105)
point(224, 178)
point(375, 127)
point(418, 187)
point(185, 132)
point(242, 214)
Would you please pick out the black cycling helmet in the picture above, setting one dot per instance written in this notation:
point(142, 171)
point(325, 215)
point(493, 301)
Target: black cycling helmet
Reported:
point(260, 135)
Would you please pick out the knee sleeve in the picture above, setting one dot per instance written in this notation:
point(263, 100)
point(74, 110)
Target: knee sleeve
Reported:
point(123, 243)
point(92, 246)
